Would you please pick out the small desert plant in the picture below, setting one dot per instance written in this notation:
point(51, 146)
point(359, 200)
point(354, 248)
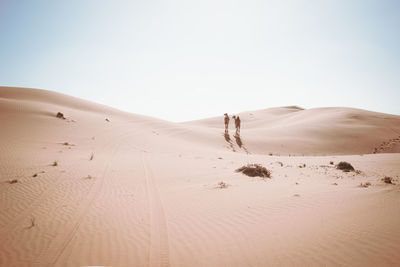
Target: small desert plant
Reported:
point(334, 184)
point(280, 163)
point(302, 166)
point(60, 115)
point(13, 181)
point(388, 180)
point(222, 185)
point(55, 163)
point(365, 184)
point(91, 156)
point(331, 162)
point(253, 170)
point(89, 177)
point(270, 154)
point(345, 166)
point(66, 144)
point(35, 175)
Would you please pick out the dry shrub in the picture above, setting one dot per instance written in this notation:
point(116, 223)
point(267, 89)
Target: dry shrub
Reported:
point(60, 115)
point(13, 181)
point(388, 180)
point(254, 170)
point(365, 184)
point(331, 163)
point(345, 166)
point(222, 185)
point(55, 163)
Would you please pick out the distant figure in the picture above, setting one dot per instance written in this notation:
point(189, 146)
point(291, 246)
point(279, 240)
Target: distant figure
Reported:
point(226, 120)
point(237, 124)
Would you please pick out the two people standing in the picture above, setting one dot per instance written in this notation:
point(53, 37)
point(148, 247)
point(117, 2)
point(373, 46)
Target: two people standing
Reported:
point(237, 123)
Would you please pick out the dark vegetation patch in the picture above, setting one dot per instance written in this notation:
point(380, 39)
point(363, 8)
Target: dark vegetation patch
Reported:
point(344, 166)
point(60, 115)
point(254, 170)
point(388, 180)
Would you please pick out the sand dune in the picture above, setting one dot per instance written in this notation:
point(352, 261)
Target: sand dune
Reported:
point(318, 131)
point(131, 190)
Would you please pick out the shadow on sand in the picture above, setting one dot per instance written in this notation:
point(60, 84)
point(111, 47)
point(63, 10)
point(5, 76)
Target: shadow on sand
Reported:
point(238, 140)
point(227, 137)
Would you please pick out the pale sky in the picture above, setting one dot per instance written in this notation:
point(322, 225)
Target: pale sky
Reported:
point(184, 60)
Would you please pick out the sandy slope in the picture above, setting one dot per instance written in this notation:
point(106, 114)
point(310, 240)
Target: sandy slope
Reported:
point(149, 196)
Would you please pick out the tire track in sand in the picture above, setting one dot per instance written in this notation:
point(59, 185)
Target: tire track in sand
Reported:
point(57, 247)
point(159, 244)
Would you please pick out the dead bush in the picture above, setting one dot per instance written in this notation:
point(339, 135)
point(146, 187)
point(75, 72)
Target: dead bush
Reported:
point(365, 184)
point(60, 115)
point(388, 180)
point(254, 170)
point(222, 185)
point(344, 166)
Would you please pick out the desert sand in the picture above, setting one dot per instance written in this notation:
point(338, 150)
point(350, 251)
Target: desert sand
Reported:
point(106, 187)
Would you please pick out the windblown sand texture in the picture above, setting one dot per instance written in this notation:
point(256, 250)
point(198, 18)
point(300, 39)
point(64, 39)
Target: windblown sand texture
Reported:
point(106, 187)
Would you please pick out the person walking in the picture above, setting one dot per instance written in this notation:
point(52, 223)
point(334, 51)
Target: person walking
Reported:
point(237, 125)
point(226, 120)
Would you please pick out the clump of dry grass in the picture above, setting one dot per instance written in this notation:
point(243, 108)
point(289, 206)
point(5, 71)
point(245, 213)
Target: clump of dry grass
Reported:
point(365, 184)
point(388, 180)
point(13, 181)
point(222, 185)
point(35, 175)
point(344, 166)
point(331, 163)
point(254, 170)
point(55, 163)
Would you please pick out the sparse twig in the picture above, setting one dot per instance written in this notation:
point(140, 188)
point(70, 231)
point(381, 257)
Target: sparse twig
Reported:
point(33, 223)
